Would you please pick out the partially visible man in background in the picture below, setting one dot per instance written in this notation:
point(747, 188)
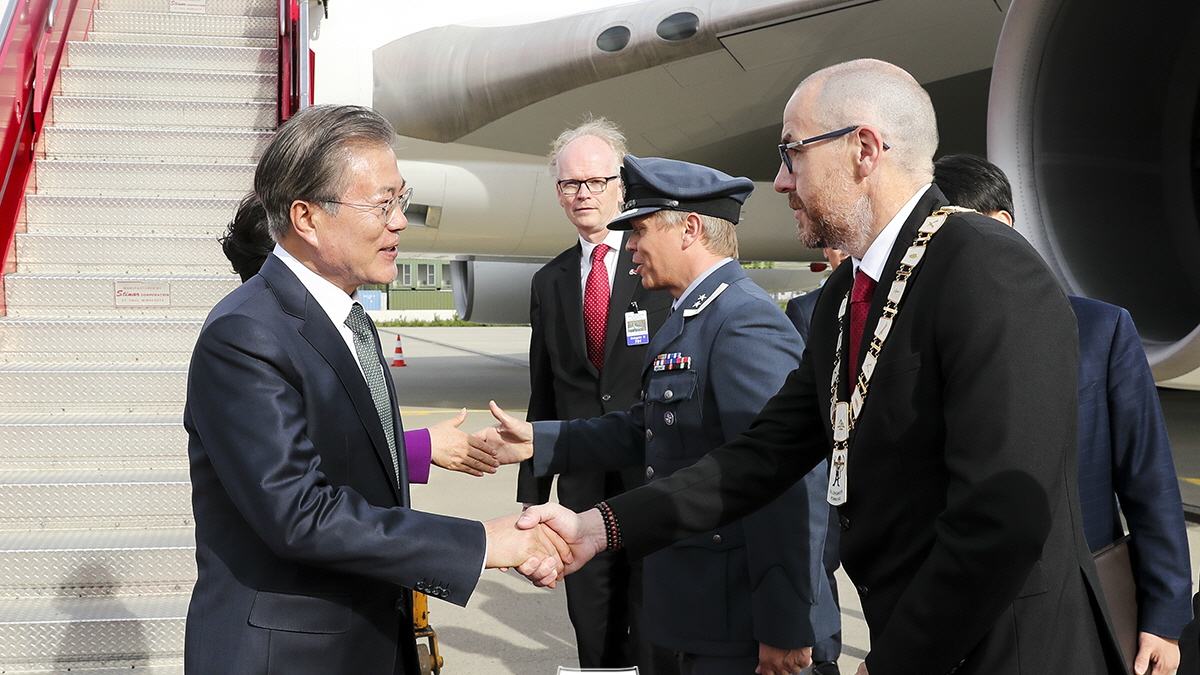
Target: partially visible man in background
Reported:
point(1125, 462)
point(585, 359)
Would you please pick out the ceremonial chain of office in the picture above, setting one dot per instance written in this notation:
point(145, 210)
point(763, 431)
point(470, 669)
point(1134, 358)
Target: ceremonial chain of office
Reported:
point(844, 414)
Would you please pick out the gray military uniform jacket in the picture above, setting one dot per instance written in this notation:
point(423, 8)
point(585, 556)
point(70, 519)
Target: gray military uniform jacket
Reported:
point(759, 579)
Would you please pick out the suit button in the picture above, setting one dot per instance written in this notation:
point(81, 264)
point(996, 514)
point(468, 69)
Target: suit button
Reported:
point(668, 394)
point(844, 522)
point(649, 435)
point(649, 472)
point(862, 591)
point(606, 398)
point(716, 538)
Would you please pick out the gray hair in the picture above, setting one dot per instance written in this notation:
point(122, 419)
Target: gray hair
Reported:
point(600, 127)
point(869, 91)
point(719, 235)
point(307, 158)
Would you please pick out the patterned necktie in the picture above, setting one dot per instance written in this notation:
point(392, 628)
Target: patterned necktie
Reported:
point(595, 306)
point(372, 367)
point(860, 304)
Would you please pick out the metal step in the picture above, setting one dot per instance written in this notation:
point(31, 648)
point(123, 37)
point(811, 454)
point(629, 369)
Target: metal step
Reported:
point(48, 442)
point(120, 254)
point(153, 666)
point(66, 295)
point(195, 145)
point(86, 563)
point(172, 57)
point(48, 213)
point(92, 388)
point(106, 500)
point(237, 7)
point(199, 26)
point(81, 111)
point(91, 341)
point(143, 179)
point(205, 40)
point(167, 84)
point(69, 632)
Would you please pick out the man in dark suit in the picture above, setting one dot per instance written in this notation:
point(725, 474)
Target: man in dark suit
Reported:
point(584, 362)
point(1124, 453)
point(750, 596)
point(954, 455)
point(305, 546)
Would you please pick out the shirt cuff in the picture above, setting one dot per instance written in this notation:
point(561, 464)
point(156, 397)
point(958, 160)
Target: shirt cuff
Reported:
point(419, 454)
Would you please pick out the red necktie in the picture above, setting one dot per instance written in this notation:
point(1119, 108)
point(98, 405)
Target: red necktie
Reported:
point(595, 306)
point(860, 304)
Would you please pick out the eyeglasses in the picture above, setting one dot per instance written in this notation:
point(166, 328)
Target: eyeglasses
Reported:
point(387, 209)
point(784, 147)
point(594, 185)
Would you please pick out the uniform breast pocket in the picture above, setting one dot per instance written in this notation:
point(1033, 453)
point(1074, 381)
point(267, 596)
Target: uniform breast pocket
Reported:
point(673, 414)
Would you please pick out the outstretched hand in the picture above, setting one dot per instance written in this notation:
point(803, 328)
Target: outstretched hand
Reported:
point(510, 441)
point(456, 450)
point(537, 552)
point(582, 532)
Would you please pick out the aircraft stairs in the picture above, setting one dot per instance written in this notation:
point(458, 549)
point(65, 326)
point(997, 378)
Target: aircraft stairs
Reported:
point(157, 121)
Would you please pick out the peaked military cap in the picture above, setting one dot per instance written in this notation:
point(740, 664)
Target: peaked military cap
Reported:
point(654, 184)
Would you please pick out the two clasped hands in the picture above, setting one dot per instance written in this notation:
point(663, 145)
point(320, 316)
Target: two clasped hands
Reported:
point(545, 542)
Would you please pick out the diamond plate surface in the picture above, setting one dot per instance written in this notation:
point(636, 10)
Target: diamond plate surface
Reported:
point(144, 179)
point(98, 341)
point(29, 388)
point(200, 26)
point(173, 145)
point(210, 40)
point(113, 442)
point(163, 113)
point(128, 215)
point(94, 500)
point(66, 630)
point(55, 295)
point(91, 564)
point(119, 254)
point(236, 7)
point(172, 57)
point(167, 84)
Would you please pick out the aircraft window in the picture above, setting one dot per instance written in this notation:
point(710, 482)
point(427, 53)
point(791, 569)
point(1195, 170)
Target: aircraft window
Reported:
point(613, 39)
point(677, 27)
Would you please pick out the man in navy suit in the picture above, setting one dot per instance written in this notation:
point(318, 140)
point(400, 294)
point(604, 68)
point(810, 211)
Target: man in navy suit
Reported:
point(306, 548)
point(1125, 464)
point(750, 596)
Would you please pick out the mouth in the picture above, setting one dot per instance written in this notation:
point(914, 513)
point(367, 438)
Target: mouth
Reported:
point(390, 251)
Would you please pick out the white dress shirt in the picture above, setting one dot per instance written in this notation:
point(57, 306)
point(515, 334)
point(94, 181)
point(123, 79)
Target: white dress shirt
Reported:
point(876, 256)
point(332, 299)
point(697, 280)
point(614, 241)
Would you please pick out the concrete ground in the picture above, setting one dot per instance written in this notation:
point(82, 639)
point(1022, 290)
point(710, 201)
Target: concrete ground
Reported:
point(510, 627)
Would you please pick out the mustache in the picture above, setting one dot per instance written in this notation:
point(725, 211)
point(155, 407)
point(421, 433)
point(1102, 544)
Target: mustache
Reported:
point(794, 202)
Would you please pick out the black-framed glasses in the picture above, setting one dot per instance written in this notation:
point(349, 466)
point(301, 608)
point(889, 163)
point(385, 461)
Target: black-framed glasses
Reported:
point(386, 209)
point(784, 147)
point(594, 185)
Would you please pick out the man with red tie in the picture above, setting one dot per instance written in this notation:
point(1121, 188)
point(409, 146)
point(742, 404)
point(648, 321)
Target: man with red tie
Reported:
point(583, 362)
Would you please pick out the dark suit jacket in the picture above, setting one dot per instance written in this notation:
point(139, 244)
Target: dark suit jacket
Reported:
point(800, 311)
point(759, 579)
point(961, 530)
point(1124, 454)
point(303, 548)
point(564, 385)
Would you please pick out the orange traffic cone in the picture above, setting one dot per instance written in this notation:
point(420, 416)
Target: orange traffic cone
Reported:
point(399, 360)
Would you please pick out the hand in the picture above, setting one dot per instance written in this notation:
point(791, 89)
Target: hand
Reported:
point(511, 440)
point(459, 451)
point(1156, 655)
point(538, 552)
point(775, 661)
point(862, 669)
point(583, 532)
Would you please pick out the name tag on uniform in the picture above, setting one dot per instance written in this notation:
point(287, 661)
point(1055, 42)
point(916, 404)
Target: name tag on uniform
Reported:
point(637, 328)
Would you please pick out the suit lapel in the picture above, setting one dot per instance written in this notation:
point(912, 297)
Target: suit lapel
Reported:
point(570, 294)
point(623, 286)
point(728, 273)
point(320, 332)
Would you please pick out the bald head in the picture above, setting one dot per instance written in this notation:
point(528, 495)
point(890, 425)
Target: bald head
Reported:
point(869, 91)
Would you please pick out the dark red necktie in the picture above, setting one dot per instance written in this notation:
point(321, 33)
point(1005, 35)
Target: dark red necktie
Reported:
point(860, 304)
point(595, 306)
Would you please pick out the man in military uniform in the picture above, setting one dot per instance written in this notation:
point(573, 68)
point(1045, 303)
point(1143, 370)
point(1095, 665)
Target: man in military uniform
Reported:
point(751, 595)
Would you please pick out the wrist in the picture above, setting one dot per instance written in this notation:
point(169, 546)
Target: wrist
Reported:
point(609, 537)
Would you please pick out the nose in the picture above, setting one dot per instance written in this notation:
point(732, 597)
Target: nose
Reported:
point(785, 181)
point(397, 222)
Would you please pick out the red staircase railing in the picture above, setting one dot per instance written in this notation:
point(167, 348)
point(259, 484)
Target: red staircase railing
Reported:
point(296, 60)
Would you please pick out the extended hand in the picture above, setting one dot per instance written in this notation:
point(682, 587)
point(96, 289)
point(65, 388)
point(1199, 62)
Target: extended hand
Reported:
point(774, 661)
point(457, 450)
point(582, 532)
point(1156, 655)
point(511, 440)
point(538, 553)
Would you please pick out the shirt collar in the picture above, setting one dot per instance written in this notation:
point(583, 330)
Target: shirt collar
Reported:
point(697, 281)
point(612, 240)
point(332, 299)
point(876, 256)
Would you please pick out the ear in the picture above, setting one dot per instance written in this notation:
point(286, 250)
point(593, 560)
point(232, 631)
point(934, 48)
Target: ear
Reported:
point(868, 150)
point(692, 230)
point(302, 214)
point(1003, 216)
